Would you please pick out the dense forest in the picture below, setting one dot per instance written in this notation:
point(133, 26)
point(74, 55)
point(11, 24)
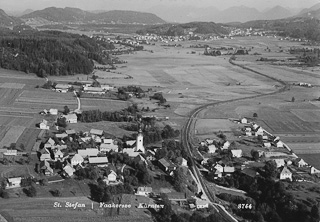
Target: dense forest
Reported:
point(49, 52)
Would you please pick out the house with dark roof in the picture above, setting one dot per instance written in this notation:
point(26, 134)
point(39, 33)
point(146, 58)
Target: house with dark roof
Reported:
point(166, 165)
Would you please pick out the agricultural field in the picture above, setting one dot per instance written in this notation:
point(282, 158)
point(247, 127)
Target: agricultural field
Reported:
point(8, 96)
point(205, 126)
point(312, 159)
point(28, 138)
point(103, 104)
point(11, 136)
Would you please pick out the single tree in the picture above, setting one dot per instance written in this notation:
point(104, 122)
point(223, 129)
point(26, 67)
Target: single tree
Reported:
point(66, 110)
point(255, 115)
point(293, 99)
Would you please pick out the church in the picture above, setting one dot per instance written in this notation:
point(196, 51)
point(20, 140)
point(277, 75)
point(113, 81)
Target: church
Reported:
point(138, 147)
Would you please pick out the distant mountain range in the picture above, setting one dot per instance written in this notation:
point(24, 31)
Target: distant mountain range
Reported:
point(64, 15)
point(232, 14)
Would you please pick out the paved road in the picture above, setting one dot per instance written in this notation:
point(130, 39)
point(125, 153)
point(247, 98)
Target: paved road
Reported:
point(186, 138)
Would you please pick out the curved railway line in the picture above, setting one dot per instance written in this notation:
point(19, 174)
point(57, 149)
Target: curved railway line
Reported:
point(186, 135)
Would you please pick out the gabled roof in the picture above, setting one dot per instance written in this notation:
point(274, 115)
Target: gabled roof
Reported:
point(51, 141)
point(96, 132)
point(145, 189)
point(70, 116)
point(166, 163)
point(61, 135)
point(77, 157)
point(249, 172)
point(69, 169)
point(62, 86)
point(88, 152)
point(285, 170)
point(236, 152)
point(97, 160)
point(228, 169)
point(70, 132)
point(14, 179)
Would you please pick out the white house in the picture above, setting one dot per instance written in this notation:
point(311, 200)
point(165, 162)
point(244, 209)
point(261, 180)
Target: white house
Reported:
point(236, 153)
point(69, 170)
point(58, 154)
point(228, 170)
point(314, 170)
point(112, 176)
point(218, 167)
point(218, 173)
point(62, 88)
point(301, 163)
point(279, 162)
point(76, 159)
point(248, 129)
point(212, 148)
point(14, 182)
point(201, 204)
point(244, 120)
point(285, 174)
point(10, 153)
point(225, 145)
point(279, 144)
point(182, 161)
point(44, 125)
point(267, 145)
point(71, 118)
point(61, 135)
point(53, 111)
point(144, 191)
point(248, 133)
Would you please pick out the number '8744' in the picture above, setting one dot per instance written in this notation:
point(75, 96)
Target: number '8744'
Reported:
point(245, 206)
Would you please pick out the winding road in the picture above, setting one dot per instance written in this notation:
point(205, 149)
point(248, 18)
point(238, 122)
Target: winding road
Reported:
point(186, 139)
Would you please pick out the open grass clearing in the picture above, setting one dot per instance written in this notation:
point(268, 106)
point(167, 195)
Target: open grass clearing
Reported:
point(12, 136)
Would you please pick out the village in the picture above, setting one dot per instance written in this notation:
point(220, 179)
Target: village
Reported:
point(220, 158)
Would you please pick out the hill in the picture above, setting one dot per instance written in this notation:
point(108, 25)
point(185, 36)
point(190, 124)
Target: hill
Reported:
point(54, 14)
point(49, 52)
point(119, 16)
point(6, 20)
point(65, 15)
point(311, 14)
point(183, 29)
point(296, 27)
point(277, 12)
point(313, 8)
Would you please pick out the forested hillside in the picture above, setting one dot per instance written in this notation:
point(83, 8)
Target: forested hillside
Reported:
point(50, 52)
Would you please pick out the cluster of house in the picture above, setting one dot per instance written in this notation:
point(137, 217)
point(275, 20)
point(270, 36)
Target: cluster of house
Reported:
point(274, 149)
point(182, 199)
point(304, 84)
point(87, 88)
point(46, 125)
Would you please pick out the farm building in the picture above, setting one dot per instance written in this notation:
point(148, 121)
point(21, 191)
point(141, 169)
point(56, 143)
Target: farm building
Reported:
point(44, 124)
point(96, 132)
point(217, 173)
point(62, 88)
point(144, 191)
point(218, 167)
point(248, 133)
point(11, 153)
point(45, 154)
point(108, 141)
point(89, 152)
point(71, 118)
point(76, 159)
point(285, 174)
point(14, 182)
point(166, 165)
point(130, 143)
point(94, 90)
point(104, 147)
point(99, 161)
point(274, 154)
point(176, 196)
point(107, 87)
point(314, 171)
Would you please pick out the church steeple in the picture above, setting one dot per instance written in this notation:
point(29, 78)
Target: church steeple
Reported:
point(139, 141)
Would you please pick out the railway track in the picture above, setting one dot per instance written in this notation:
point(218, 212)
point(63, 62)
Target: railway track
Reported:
point(186, 136)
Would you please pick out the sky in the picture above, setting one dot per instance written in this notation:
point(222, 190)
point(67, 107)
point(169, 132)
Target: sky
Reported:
point(140, 5)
